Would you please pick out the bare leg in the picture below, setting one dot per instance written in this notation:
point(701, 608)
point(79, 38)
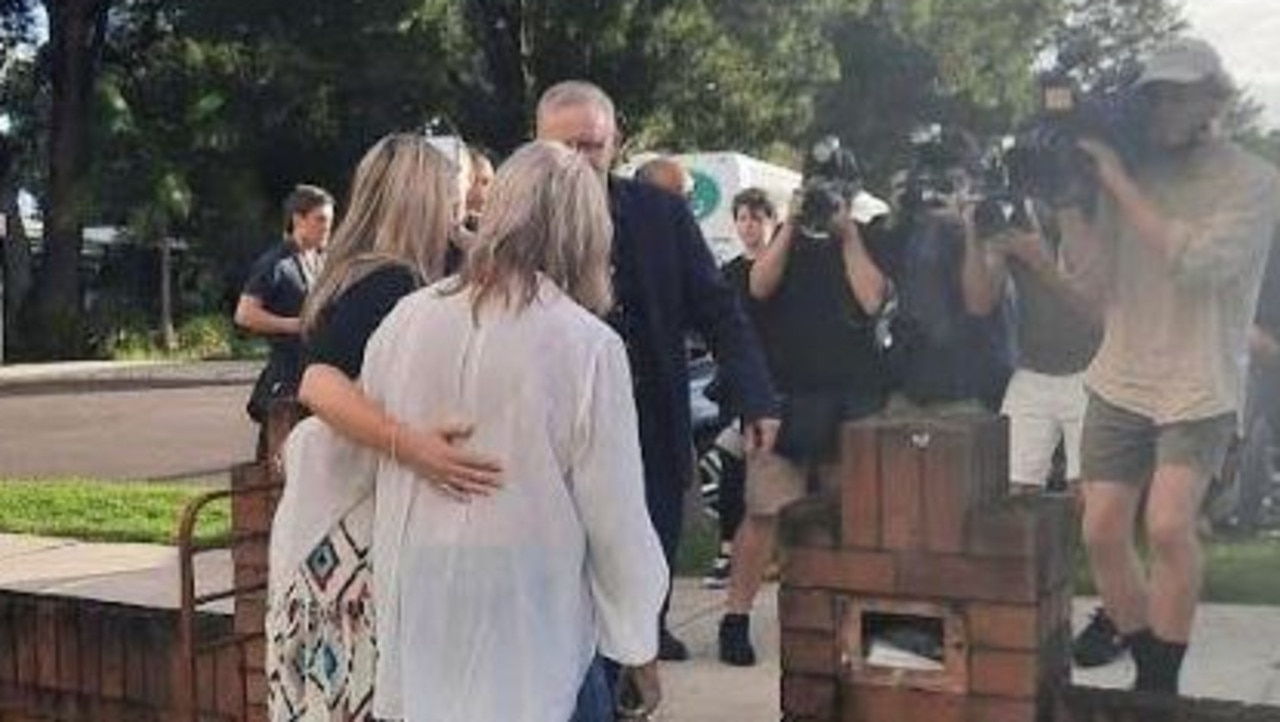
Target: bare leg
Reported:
point(1177, 560)
point(1110, 513)
point(752, 552)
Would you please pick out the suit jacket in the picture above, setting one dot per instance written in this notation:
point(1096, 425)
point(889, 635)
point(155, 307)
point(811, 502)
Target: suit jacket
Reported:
point(667, 285)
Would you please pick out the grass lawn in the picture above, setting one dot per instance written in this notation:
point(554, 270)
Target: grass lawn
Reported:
point(107, 511)
point(1238, 571)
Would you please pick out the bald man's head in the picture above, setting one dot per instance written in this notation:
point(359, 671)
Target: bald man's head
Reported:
point(667, 174)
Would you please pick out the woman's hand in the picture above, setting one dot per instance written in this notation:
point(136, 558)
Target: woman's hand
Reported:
point(639, 692)
point(436, 454)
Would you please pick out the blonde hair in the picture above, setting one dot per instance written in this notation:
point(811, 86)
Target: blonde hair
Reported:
point(548, 214)
point(401, 211)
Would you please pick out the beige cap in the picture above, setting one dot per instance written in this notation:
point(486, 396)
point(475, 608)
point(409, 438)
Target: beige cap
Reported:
point(1185, 60)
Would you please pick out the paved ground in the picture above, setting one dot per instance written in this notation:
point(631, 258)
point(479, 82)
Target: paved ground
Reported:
point(1236, 654)
point(107, 421)
point(174, 420)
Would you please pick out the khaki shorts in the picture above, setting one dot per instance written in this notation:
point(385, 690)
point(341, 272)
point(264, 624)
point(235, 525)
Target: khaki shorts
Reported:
point(774, 481)
point(1120, 445)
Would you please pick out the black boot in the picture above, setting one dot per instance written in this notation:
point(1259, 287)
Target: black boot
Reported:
point(735, 640)
point(1159, 662)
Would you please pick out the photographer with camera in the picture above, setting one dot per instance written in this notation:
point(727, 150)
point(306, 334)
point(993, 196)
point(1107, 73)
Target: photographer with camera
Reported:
point(1183, 237)
point(818, 289)
point(1057, 331)
point(948, 355)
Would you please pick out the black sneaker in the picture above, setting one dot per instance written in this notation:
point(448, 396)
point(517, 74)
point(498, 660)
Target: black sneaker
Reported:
point(671, 649)
point(1098, 643)
point(735, 640)
point(718, 575)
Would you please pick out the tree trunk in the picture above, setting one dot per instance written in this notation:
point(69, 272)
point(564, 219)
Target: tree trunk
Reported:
point(166, 294)
point(17, 268)
point(76, 29)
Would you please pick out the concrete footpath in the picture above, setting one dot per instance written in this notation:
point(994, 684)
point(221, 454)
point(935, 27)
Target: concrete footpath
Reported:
point(1235, 655)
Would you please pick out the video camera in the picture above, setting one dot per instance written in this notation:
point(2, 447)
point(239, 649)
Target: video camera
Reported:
point(938, 156)
point(832, 178)
point(1045, 161)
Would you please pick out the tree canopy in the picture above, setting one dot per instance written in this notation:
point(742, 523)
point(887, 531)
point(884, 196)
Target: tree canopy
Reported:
point(192, 118)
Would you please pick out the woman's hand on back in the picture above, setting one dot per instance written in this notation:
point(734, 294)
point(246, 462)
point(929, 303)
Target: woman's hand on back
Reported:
point(437, 455)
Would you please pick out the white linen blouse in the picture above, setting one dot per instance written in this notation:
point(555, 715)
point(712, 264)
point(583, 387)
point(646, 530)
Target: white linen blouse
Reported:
point(492, 609)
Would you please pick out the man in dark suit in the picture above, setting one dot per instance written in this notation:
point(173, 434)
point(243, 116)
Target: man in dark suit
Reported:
point(666, 286)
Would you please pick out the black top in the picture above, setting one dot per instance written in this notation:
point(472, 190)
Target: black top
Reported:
point(278, 281)
point(344, 326)
point(817, 336)
point(952, 355)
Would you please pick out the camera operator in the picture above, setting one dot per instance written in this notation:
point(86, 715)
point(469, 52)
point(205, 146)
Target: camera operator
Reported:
point(950, 358)
point(1057, 331)
point(1183, 238)
point(818, 290)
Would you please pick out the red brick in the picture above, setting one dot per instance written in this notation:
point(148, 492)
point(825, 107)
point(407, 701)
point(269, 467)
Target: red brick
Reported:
point(949, 490)
point(255, 682)
point(46, 641)
point(995, 709)
point(860, 475)
point(900, 704)
point(965, 578)
point(1005, 626)
point(1004, 674)
point(252, 511)
point(809, 653)
point(848, 571)
point(806, 610)
point(251, 613)
point(810, 697)
point(1005, 530)
point(902, 496)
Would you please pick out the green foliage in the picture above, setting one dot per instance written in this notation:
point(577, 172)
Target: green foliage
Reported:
point(206, 337)
point(206, 113)
point(106, 511)
point(1111, 34)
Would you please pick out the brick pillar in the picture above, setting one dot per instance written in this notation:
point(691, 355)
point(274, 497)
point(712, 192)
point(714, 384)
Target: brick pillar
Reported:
point(922, 530)
point(251, 516)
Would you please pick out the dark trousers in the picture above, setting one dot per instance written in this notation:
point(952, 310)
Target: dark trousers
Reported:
point(666, 512)
point(731, 502)
point(595, 699)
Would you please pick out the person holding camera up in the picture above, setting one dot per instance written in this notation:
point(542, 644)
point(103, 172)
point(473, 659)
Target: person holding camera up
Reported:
point(1183, 237)
point(949, 356)
point(1057, 331)
point(818, 289)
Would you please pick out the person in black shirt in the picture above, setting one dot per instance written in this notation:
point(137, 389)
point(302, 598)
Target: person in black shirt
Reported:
point(817, 298)
point(756, 219)
point(405, 205)
point(271, 303)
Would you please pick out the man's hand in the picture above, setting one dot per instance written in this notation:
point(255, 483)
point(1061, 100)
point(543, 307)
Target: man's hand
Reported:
point(1107, 163)
point(1263, 347)
point(1028, 248)
point(639, 692)
point(437, 456)
point(761, 434)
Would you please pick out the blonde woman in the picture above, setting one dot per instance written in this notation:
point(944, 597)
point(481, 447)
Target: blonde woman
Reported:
point(493, 610)
point(405, 200)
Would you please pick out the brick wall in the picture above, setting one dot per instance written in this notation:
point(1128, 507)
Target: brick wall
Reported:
point(78, 660)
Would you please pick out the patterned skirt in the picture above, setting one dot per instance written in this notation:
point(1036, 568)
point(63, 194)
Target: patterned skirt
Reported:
point(320, 631)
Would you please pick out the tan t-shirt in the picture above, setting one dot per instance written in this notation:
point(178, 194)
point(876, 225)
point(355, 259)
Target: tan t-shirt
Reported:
point(1175, 346)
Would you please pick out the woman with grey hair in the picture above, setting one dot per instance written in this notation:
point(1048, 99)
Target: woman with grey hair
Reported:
point(493, 609)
